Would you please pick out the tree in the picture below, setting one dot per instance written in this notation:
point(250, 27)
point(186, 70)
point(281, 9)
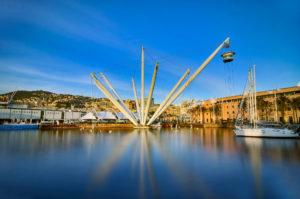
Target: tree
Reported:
point(210, 111)
point(218, 110)
point(260, 105)
point(282, 105)
point(204, 109)
point(295, 103)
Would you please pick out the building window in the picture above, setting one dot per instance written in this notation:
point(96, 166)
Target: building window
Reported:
point(228, 113)
point(233, 112)
point(289, 108)
point(232, 106)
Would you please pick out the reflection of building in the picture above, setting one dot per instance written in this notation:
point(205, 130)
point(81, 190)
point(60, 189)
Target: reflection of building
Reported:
point(226, 108)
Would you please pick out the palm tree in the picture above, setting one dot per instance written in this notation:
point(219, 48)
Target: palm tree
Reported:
point(244, 108)
point(210, 111)
point(204, 109)
point(260, 105)
point(295, 103)
point(282, 105)
point(218, 110)
point(267, 108)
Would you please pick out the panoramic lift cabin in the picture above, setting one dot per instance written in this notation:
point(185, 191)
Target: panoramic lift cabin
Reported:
point(228, 56)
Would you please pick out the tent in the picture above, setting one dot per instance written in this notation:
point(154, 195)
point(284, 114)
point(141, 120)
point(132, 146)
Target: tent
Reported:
point(136, 115)
point(108, 115)
point(88, 116)
point(121, 116)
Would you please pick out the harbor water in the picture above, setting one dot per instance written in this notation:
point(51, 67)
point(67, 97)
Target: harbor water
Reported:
point(143, 163)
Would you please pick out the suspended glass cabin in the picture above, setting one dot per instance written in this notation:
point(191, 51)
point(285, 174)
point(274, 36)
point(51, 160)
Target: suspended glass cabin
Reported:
point(228, 56)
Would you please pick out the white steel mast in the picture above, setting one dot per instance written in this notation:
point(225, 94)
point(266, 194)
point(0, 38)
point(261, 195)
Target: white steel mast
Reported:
point(168, 97)
point(136, 101)
point(150, 94)
point(254, 89)
point(276, 115)
point(116, 94)
point(142, 86)
point(183, 87)
point(113, 100)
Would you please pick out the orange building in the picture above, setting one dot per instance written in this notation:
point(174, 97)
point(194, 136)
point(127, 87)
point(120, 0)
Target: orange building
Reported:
point(225, 109)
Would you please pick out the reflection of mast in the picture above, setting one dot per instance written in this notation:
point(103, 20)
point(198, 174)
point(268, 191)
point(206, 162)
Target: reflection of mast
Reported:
point(178, 171)
point(254, 146)
point(113, 157)
point(150, 167)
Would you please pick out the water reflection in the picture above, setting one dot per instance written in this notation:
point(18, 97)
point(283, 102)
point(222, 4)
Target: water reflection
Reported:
point(195, 163)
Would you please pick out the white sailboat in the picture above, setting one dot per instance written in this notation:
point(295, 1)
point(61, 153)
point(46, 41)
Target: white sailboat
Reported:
point(252, 129)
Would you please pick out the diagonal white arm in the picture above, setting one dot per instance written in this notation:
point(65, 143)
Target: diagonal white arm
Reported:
point(136, 100)
point(150, 93)
point(116, 94)
point(142, 86)
point(112, 99)
point(196, 73)
point(168, 97)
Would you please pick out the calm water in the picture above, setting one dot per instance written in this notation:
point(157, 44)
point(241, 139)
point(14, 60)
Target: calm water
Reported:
point(183, 163)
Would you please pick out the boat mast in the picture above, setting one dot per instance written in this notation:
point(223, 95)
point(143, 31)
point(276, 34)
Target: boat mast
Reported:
point(250, 98)
point(241, 105)
point(255, 106)
point(276, 114)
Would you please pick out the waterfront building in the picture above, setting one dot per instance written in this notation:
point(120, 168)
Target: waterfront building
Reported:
point(18, 115)
point(285, 100)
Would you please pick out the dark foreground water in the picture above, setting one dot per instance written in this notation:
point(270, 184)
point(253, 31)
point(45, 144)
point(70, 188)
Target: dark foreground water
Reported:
point(183, 163)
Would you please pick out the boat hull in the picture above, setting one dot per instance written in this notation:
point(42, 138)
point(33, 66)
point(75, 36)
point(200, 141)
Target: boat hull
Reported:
point(18, 126)
point(266, 132)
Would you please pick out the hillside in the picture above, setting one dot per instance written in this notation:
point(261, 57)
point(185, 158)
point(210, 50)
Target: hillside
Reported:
point(40, 98)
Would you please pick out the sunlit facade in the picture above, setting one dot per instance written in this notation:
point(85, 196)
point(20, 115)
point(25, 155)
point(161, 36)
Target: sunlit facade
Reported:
point(225, 109)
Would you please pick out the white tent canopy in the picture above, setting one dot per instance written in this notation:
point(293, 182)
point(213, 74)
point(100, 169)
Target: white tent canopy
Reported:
point(108, 115)
point(88, 116)
point(121, 116)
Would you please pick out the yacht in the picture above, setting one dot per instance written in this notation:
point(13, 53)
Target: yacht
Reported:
point(254, 129)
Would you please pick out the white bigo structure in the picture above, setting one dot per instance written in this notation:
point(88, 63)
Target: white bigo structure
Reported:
point(141, 121)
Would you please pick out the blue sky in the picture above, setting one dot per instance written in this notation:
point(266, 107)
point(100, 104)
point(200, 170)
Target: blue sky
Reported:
point(55, 45)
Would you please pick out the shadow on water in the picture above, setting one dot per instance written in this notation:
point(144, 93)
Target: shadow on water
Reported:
point(181, 163)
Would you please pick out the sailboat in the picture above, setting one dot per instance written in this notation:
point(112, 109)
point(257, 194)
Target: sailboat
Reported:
point(253, 129)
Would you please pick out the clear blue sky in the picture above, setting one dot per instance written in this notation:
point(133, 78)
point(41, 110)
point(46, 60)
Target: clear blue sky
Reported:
point(55, 45)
